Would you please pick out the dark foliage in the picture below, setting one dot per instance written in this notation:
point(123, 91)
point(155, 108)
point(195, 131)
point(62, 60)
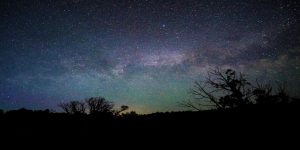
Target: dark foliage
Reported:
point(73, 107)
point(218, 124)
point(250, 109)
point(118, 111)
point(1, 112)
point(228, 89)
point(130, 114)
point(98, 105)
point(264, 94)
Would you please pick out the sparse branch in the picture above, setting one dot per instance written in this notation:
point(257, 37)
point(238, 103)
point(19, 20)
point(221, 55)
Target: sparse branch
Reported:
point(200, 93)
point(281, 87)
point(65, 107)
point(190, 105)
point(218, 83)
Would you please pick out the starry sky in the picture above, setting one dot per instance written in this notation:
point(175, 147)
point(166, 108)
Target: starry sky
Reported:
point(144, 54)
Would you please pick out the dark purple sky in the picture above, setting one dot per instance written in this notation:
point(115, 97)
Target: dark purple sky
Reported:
point(144, 54)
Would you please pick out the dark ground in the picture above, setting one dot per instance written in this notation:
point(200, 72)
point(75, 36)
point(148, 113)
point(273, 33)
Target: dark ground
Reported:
point(255, 124)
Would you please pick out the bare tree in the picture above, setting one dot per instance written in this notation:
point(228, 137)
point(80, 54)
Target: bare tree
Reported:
point(78, 107)
point(99, 105)
point(73, 107)
point(221, 89)
point(96, 105)
point(65, 107)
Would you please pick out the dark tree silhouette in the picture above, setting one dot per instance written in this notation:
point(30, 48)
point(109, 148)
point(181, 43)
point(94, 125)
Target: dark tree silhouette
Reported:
point(234, 88)
point(98, 105)
point(131, 113)
point(227, 89)
point(1, 112)
point(117, 112)
point(264, 94)
point(73, 107)
point(65, 107)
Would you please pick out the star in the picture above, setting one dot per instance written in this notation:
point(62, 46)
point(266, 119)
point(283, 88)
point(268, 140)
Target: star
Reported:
point(142, 54)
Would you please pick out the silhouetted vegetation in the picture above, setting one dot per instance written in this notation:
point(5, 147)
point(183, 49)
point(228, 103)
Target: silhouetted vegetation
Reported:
point(130, 114)
point(73, 107)
point(1, 112)
point(28, 123)
point(118, 111)
point(99, 105)
point(242, 107)
point(95, 105)
point(228, 89)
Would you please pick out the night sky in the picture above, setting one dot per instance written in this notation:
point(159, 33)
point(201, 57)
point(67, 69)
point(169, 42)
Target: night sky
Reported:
point(144, 54)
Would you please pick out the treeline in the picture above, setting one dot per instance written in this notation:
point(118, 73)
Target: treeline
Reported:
point(244, 107)
point(28, 123)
